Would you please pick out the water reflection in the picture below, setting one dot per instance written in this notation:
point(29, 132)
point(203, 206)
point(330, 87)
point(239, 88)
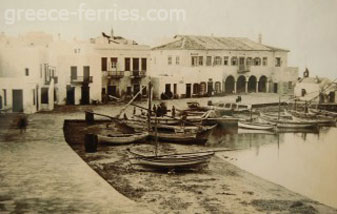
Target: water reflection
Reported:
point(304, 162)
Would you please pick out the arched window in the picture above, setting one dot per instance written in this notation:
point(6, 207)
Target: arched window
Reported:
point(249, 61)
point(202, 88)
point(257, 61)
point(195, 88)
point(234, 60)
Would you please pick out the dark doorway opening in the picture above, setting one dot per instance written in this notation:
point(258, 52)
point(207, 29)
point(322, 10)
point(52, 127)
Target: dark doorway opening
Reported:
point(241, 85)
point(70, 95)
point(85, 95)
point(263, 84)
point(275, 88)
point(252, 84)
point(17, 100)
point(229, 85)
point(112, 90)
point(188, 90)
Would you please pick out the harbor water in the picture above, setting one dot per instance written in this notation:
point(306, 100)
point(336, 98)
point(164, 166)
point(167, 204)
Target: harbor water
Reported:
point(304, 162)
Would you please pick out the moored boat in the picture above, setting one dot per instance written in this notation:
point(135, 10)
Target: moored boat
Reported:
point(255, 125)
point(172, 161)
point(122, 138)
point(287, 123)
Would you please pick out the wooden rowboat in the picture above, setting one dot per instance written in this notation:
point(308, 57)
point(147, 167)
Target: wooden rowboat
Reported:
point(122, 138)
point(255, 125)
point(284, 123)
point(172, 161)
point(182, 137)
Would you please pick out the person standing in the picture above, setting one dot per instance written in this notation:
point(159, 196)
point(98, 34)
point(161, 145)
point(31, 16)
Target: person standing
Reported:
point(173, 111)
point(22, 123)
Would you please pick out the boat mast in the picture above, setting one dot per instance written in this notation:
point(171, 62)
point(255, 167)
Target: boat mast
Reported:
point(149, 106)
point(279, 108)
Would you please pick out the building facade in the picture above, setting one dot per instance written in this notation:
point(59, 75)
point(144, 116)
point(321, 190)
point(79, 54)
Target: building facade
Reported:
point(192, 66)
point(25, 81)
point(123, 65)
point(315, 89)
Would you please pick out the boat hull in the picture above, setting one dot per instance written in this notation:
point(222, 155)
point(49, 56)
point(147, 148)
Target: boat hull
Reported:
point(173, 161)
point(122, 139)
point(255, 126)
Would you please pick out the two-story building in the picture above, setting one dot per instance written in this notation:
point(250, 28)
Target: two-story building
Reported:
point(26, 77)
point(123, 65)
point(191, 66)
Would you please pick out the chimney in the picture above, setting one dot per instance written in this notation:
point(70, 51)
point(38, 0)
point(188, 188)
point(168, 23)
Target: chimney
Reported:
point(260, 38)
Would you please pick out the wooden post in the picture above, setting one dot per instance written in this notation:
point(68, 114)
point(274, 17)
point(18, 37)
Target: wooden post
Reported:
point(89, 117)
point(149, 106)
point(279, 107)
point(90, 143)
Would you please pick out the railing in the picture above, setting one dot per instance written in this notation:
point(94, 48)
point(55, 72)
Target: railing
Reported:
point(115, 74)
point(47, 82)
point(81, 79)
point(243, 69)
point(138, 74)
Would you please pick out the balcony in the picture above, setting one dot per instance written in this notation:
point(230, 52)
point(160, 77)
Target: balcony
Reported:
point(115, 74)
point(47, 82)
point(138, 74)
point(81, 80)
point(243, 69)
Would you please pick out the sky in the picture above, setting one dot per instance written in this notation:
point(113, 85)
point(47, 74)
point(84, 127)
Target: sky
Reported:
point(308, 28)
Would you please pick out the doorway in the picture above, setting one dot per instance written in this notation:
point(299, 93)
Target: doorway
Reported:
point(188, 90)
point(70, 95)
point(17, 100)
point(85, 95)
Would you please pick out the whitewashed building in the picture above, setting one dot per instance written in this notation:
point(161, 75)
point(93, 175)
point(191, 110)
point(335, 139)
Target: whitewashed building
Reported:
point(25, 81)
point(123, 65)
point(315, 89)
point(191, 66)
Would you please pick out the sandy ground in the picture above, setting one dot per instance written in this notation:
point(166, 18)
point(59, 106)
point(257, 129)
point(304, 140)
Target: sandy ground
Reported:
point(219, 188)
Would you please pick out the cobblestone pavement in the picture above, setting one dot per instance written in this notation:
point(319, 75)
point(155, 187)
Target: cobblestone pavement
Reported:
point(40, 173)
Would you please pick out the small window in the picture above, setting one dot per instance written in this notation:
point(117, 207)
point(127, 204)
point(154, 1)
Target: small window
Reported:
point(135, 64)
point(217, 60)
point(194, 60)
point(234, 60)
point(177, 60)
point(201, 60)
point(290, 85)
point(225, 60)
point(113, 62)
point(104, 63)
point(169, 60)
point(27, 71)
point(249, 61)
point(264, 61)
point(127, 64)
point(257, 61)
point(209, 60)
point(144, 64)
point(278, 61)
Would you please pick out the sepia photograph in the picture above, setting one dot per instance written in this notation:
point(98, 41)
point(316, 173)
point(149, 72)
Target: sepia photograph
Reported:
point(168, 107)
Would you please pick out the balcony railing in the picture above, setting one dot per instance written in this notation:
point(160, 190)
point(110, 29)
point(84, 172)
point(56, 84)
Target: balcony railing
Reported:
point(47, 82)
point(115, 74)
point(138, 74)
point(243, 69)
point(81, 79)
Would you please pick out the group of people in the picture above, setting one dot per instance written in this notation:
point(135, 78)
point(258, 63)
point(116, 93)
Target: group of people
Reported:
point(159, 110)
